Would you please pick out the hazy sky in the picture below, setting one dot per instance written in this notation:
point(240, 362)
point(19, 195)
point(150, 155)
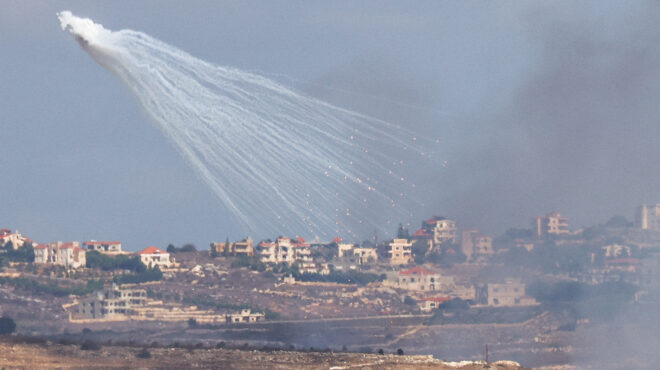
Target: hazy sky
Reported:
point(545, 106)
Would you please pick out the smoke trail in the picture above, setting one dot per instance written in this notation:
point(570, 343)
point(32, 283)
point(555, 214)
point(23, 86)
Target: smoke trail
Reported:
point(278, 160)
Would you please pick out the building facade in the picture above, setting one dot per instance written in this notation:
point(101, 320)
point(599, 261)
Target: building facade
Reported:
point(647, 217)
point(68, 254)
point(15, 238)
point(103, 247)
point(509, 293)
point(155, 257)
point(475, 245)
point(110, 302)
point(400, 252)
point(285, 250)
point(244, 247)
point(421, 279)
point(551, 224)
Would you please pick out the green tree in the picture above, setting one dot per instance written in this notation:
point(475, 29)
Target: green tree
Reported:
point(402, 233)
point(188, 247)
point(7, 325)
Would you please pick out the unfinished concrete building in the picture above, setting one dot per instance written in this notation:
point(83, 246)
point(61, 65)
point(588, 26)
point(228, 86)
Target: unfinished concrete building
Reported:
point(244, 247)
point(111, 301)
point(400, 252)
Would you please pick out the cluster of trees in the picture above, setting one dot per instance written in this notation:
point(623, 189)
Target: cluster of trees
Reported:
point(149, 274)
point(35, 287)
point(348, 277)
point(189, 247)
point(108, 263)
point(253, 263)
point(445, 255)
point(22, 254)
point(7, 325)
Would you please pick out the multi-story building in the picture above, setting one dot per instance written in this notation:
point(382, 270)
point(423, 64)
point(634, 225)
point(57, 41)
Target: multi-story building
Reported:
point(551, 224)
point(284, 250)
point(344, 249)
point(111, 301)
point(156, 257)
point(244, 247)
point(436, 231)
point(103, 247)
point(68, 254)
point(421, 279)
point(16, 239)
point(358, 255)
point(365, 255)
point(509, 293)
point(400, 252)
point(475, 245)
point(648, 217)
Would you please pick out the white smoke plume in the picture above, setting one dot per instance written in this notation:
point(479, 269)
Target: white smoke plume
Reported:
point(278, 160)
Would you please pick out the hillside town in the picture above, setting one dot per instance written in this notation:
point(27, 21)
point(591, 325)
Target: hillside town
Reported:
point(539, 283)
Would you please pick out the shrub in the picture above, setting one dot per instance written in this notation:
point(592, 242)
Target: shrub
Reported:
point(7, 325)
point(90, 345)
point(144, 354)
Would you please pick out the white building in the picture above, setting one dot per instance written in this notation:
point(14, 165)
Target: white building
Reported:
point(365, 255)
point(68, 254)
point(344, 249)
point(16, 239)
point(284, 250)
point(551, 224)
point(103, 247)
point(421, 279)
point(648, 217)
point(440, 230)
point(400, 252)
point(154, 256)
point(509, 293)
point(475, 245)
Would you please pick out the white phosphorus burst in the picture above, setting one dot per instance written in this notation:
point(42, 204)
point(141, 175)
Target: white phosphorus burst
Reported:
point(278, 160)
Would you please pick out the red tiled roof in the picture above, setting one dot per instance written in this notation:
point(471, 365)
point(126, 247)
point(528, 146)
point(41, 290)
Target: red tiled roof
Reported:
point(422, 233)
point(300, 239)
point(152, 250)
point(5, 231)
point(337, 240)
point(417, 271)
point(41, 246)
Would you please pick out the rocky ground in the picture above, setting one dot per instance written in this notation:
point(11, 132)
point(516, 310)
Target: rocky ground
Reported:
point(48, 355)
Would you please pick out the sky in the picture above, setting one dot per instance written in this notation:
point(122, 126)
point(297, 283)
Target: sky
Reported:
point(542, 106)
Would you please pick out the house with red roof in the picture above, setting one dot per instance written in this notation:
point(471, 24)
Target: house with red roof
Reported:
point(67, 254)
point(16, 239)
point(154, 256)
